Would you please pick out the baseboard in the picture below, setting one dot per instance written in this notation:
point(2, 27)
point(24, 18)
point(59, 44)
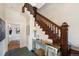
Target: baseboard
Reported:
point(72, 51)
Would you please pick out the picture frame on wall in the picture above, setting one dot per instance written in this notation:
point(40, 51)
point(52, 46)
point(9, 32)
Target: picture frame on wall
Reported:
point(17, 28)
point(14, 28)
point(10, 31)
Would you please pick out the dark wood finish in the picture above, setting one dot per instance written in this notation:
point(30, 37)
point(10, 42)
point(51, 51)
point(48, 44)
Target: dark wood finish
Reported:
point(58, 34)
point(49, 27)
point(29, 8)
point(64, 39)
point(73, 52)
point(47, 19)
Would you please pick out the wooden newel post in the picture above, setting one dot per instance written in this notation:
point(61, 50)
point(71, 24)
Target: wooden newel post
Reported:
point(64, 39)
point(23, 8)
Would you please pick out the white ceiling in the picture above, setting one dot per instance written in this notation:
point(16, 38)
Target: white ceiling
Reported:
point(38, 5)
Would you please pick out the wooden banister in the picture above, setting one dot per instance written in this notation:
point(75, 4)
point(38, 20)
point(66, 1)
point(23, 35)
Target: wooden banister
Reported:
point(48, 20)
point(58, 34)
point(52, 29)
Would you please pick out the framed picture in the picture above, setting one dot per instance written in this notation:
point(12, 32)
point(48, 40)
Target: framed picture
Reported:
point(14, 29)
point(17, 28)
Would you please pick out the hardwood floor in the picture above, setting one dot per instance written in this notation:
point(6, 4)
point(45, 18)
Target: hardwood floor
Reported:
point(13, 45)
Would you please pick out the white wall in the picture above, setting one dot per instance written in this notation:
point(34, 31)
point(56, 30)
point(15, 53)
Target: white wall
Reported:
point(59, 13)
point(13, 15)
point(38, 5)
point(2, 10)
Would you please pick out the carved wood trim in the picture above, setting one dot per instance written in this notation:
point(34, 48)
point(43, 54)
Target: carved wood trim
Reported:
point(48, 19)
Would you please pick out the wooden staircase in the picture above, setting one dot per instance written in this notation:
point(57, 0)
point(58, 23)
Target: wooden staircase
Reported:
point(58, 34)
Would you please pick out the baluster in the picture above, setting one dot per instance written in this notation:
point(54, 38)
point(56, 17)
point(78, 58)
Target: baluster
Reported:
point(59, 33)
point(48, 24)
point(52, 27)
point(55, 29)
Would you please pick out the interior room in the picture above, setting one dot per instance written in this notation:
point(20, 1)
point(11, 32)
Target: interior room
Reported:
point(39, 29)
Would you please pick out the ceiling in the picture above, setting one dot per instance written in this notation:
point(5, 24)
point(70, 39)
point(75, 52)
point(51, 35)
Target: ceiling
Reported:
point(38, 5)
